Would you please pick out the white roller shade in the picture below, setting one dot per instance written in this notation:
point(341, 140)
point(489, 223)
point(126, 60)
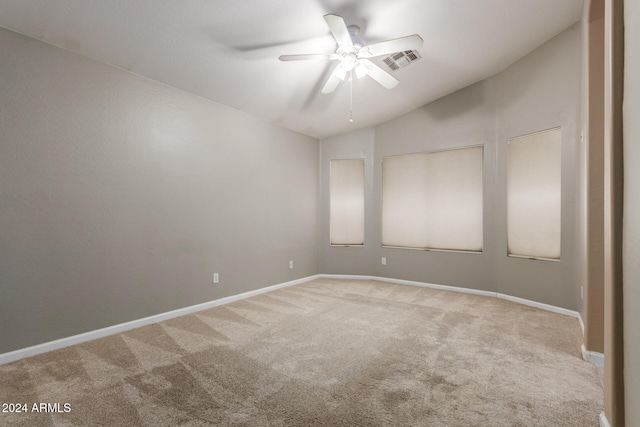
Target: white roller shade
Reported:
point(534, 195)
point(433, 200)
point(346, 204)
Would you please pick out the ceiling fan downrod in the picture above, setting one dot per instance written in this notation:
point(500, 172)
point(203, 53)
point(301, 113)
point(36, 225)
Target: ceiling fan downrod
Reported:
point(351, 96)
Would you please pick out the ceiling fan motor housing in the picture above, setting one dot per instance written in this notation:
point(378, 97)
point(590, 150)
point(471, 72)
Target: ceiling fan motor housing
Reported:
point(354, 54)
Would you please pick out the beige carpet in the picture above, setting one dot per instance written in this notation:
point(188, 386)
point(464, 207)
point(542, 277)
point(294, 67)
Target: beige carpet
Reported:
point(324, 353)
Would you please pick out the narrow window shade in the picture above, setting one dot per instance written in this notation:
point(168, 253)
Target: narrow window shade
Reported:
point(534, 195)
point(405, 205)
point(433, 200)
point(455, 192)
point(346, 202)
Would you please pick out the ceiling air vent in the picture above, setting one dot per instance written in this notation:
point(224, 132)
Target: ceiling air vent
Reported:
point(399, 60)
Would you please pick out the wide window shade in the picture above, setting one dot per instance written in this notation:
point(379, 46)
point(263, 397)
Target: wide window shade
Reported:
point(347, 202)
point(534, 195)
point(433, 200)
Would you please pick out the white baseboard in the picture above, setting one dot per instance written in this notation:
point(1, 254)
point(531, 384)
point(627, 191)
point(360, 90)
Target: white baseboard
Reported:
point(603, 420)
point(523, 301)
point(122, 327)
point(540, 305)
point(410, 282)
point(592, 356)
point(581, 323)
point(346, 276)
point(440, 287)
point(88, 336)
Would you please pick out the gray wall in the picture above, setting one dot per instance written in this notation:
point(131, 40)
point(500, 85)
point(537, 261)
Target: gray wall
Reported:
point(339, 259)
point(119, 197)
point(462, 119)
point(631, 249)
point(540, 91)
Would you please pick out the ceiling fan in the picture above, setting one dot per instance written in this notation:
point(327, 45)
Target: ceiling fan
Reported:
point(354, 55)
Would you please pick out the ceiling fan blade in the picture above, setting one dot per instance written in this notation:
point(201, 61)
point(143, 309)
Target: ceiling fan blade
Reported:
point(334, 80)
point(312, 56)
point(391, 46)
point(379, 75)
point(339, 30)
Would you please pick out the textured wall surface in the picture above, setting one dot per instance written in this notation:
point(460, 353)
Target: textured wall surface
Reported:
point(119, 197)
point(538, 92)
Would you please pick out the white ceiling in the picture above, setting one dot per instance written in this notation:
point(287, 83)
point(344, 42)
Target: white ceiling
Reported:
point(227, 50)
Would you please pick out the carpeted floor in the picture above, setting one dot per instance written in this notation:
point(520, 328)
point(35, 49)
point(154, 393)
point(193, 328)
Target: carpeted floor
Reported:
point(323, 353)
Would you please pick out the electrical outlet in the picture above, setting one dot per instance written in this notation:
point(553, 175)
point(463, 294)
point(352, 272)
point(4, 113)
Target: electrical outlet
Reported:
point(291, 265)
point(216, 277)
point(384, 261)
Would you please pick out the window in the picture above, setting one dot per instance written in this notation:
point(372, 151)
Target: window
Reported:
point(533, 195)
point(433, 200)
point(346, 202)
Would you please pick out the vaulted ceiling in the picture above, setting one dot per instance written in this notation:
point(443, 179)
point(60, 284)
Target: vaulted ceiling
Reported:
point(227, 50)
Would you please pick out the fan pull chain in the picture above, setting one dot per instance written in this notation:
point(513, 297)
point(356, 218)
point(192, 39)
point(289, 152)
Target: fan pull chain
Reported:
point(351, 96)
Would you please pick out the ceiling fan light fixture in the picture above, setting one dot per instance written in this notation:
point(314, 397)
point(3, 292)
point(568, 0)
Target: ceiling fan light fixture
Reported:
point(340, 72)
point(349, 61)
point(360, 71)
